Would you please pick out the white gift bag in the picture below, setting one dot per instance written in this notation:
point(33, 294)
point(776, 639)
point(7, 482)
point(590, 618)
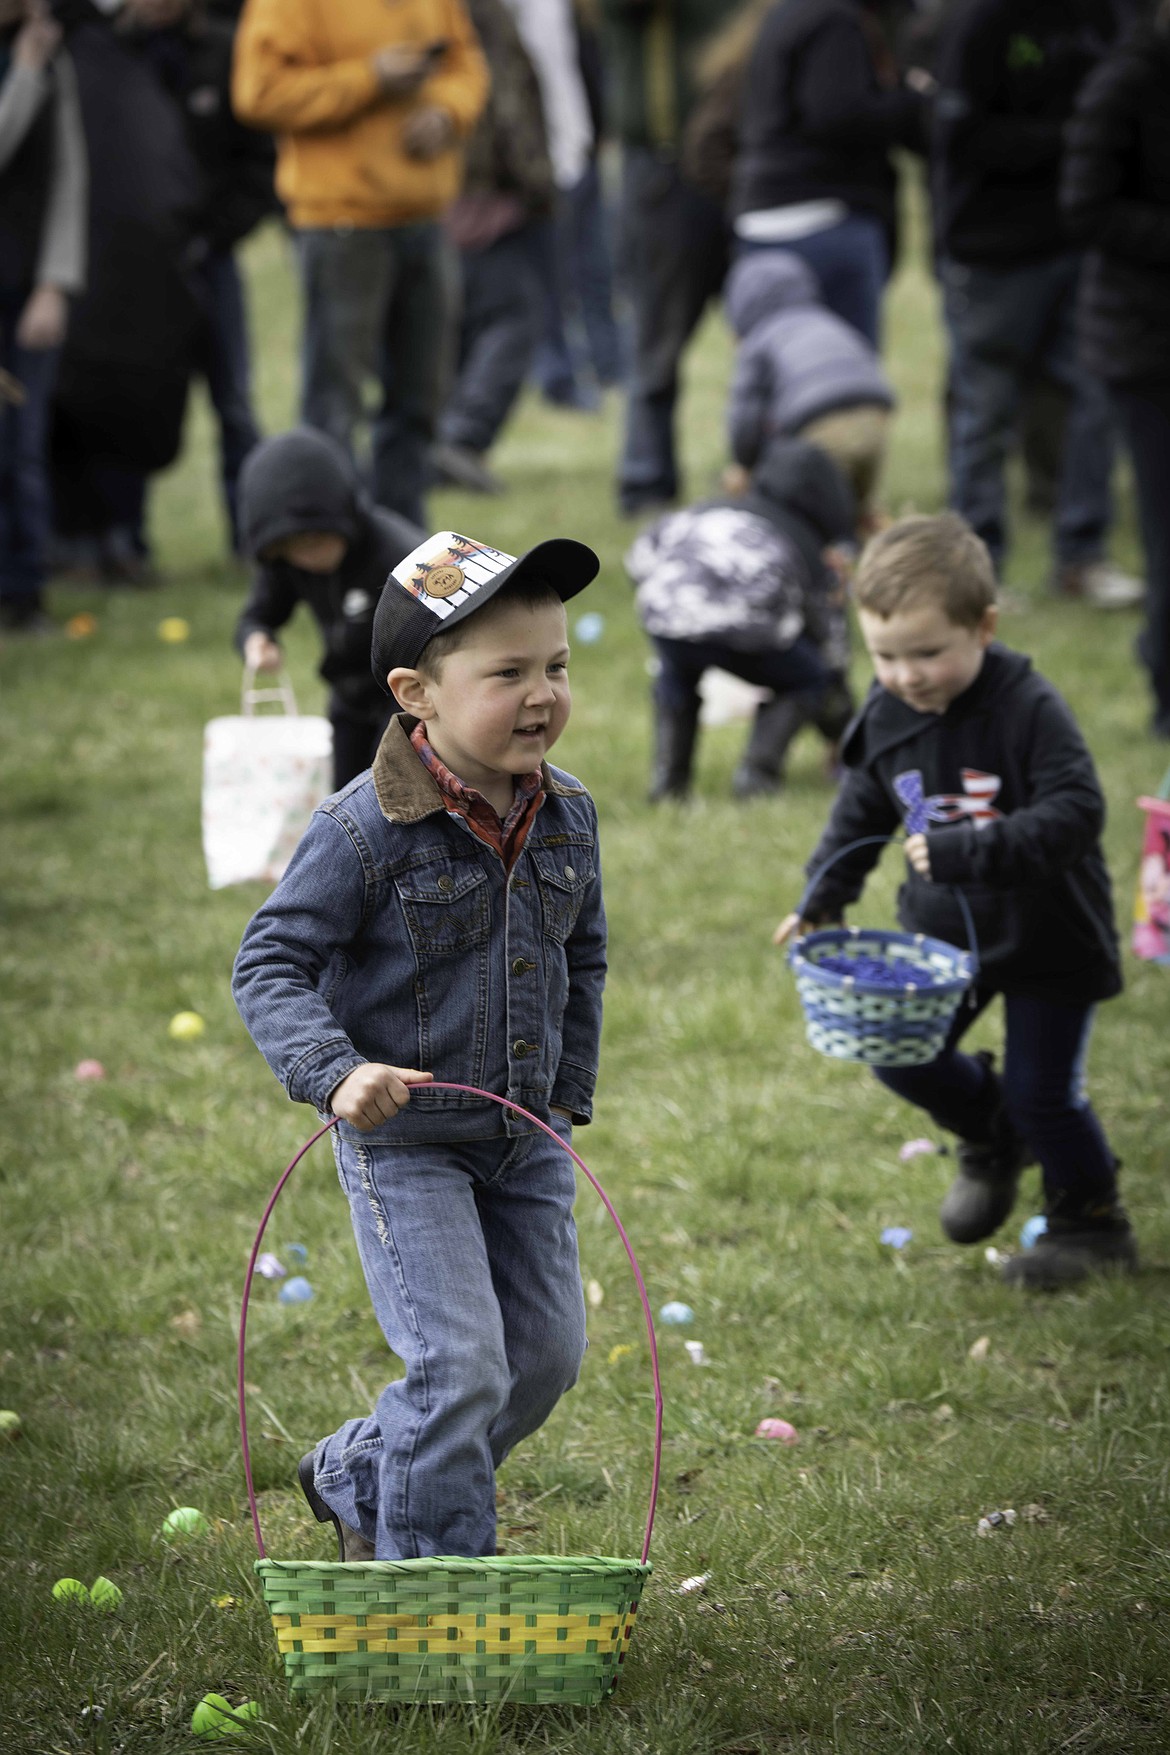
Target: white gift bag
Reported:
point(263, 777)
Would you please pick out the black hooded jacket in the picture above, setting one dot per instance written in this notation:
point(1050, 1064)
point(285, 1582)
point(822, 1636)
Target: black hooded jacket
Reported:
point(1115, 194)
point(303, 481)
point(1014, 817)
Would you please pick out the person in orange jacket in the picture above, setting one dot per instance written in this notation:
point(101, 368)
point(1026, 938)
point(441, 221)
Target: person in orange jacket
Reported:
point(370, 105)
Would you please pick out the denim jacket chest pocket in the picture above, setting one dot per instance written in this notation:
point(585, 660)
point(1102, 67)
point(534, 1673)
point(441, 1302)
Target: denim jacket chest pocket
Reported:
point(447, 910)
point(563, 876)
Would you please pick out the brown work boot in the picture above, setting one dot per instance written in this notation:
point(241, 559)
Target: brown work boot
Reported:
point(351, 1544)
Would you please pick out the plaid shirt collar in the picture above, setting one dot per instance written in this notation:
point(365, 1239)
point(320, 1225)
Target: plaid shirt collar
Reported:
point(507, 836)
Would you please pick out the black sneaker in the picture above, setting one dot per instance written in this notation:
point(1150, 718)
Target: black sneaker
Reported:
point(984, 1191)
point(1097, 1241)
point(351, 1544)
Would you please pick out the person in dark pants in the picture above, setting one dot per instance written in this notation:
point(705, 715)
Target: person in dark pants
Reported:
point(1009, 72)
point(1115, 196)
point(370, 104)
point(507, 190)
point(317, 539)
point(742, 583)
point(191, 54)
point(821, 107)
point(42, 261)
point(673, 244)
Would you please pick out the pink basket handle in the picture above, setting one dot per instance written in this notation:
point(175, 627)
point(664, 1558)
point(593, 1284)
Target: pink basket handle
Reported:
point(504, 1103)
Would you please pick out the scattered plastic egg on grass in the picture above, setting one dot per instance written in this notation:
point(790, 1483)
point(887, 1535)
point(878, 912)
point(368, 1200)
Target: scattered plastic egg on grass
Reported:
point(173, 630)
point(915, 1149)
point(995, 1520)
point(184, 1521)
point(896, 1236)
point(1033, 1228)
point(89, 1071)
point(215, 1717)
point(619, 1352)
point(270, 1267)
point(696, 1352)
point(779, 1430)
point(81, 626)
point(104, 1594)
point(594, 1295)
point(70, 1590)
point(688, 1586)
point(186, 1026)
point(295, 1291)
point(296, 1252)
point(11, 1426)
point(589, 628)
point(676, 1315)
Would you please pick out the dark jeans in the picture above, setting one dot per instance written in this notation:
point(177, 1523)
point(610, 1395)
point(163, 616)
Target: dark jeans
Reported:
point(852, 264)
point(356, 737)
point(224, 360)
point(1144, 416)
point(1006, 326)
point(799, 669)
point(579, 285)
point(25, 517)
point(498, 333)
point(674, 259)
point(1043, 1092)
point(379, 303)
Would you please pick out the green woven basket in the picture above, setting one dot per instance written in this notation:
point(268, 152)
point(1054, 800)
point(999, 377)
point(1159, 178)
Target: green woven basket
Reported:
point(538, 1630)
point(534, 1630)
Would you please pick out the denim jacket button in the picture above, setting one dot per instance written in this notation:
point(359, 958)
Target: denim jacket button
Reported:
point(570, 874)
point(446, 883)
point(521, 966)
point(520, 1048)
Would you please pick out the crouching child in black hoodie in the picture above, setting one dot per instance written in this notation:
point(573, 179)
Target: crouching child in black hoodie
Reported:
point(746, 583)
point(964, 745)
point(317, 539)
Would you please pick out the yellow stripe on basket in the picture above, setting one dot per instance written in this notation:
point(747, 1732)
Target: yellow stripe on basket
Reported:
point(442, 1634)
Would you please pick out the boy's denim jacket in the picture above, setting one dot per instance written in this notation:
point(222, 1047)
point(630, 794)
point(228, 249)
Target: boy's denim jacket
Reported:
point(395, 935)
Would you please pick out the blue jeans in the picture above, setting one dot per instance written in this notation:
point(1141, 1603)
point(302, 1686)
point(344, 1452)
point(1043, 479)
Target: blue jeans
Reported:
point(379, 303)
point(851, 261)
point(799, 669)
point(225, 362)
point(499, 331)
point(1042, 1089)
point(579, 284)
point(1007, 326)
point(674, 260)
point(25, 517)
point(470, 1256)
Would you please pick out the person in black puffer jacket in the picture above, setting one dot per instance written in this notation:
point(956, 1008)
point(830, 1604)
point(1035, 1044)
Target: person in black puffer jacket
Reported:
point(821, 107)
point(1115, 196)
point(317, 539)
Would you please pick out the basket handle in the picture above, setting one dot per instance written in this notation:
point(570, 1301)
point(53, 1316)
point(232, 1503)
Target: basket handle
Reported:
point(504, 1103)
point(885, 841)
point(252, 697)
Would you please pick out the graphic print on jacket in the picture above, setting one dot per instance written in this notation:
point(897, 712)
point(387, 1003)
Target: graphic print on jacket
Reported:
point(974, 803)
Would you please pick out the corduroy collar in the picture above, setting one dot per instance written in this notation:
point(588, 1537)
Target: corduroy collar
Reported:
point(407, 792)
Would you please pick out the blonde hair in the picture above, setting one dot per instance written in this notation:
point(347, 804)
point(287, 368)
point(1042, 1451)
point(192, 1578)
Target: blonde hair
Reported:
point(927, 559)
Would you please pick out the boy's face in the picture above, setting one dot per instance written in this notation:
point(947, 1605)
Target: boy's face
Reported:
point(924, 658)
point(311, 551)
point(500, 701)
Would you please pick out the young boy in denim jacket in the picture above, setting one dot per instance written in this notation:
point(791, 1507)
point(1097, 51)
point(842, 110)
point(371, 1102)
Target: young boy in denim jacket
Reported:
point(975, 754)
point(442, 919)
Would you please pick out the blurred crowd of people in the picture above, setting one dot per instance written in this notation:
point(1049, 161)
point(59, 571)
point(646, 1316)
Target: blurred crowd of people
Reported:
point(481, 193)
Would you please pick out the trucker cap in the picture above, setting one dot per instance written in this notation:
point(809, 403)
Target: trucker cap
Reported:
point(448, 577)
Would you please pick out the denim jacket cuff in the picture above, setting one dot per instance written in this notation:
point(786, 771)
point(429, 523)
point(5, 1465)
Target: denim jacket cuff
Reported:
point(573, 1090)
point(317, 1074)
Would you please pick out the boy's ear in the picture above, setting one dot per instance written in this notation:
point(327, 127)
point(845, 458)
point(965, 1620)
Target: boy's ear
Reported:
point(989, 623)
point(412, 691)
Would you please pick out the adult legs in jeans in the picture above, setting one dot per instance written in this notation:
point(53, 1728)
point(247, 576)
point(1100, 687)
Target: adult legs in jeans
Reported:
point(674, 259)
point(470, 1256)
point(1004, 323)
point(24, 486)
point(799, 670)
point(499, 330)
point(226, 365)
point(378, 304)
point(1042, 1090)
point(1144, 414)
point(851, 261)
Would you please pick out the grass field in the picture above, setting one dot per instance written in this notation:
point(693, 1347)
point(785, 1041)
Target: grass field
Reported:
point(850, 1605)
